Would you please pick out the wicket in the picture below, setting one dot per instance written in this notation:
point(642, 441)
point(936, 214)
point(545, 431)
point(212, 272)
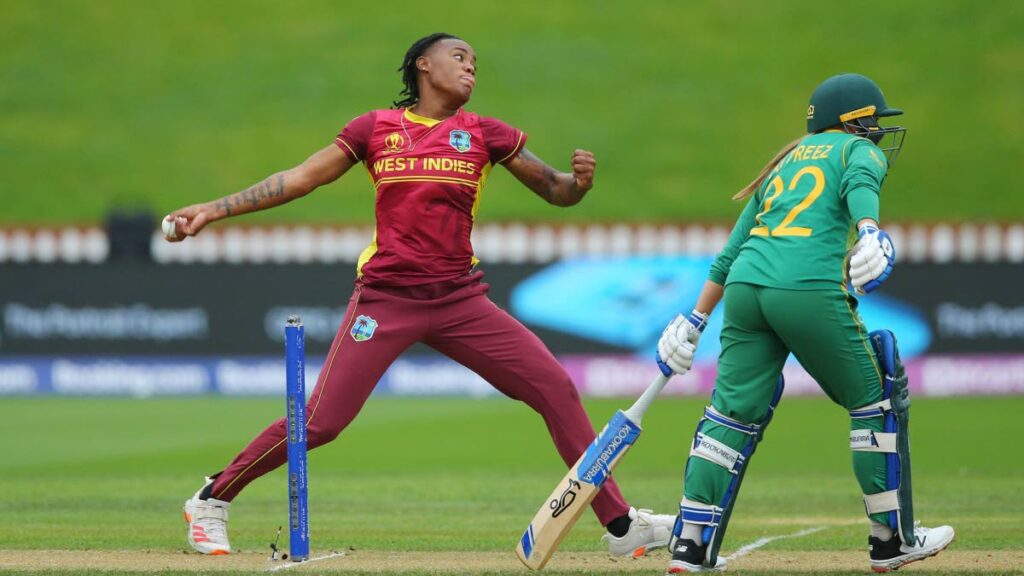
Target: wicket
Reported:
point(298, 510)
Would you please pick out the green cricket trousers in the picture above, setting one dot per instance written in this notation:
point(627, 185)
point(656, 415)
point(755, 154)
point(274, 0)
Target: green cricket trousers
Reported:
point(762, 326)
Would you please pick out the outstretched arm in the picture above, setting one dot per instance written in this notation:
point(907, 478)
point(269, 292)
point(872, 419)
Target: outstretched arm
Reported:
point(323, 167)
point(558, 188)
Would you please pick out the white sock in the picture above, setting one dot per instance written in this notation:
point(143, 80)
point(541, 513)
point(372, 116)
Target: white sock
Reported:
point(879, 530)
point(693, 532)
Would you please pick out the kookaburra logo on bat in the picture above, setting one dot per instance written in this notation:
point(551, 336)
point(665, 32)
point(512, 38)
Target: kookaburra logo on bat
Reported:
point(563, 502)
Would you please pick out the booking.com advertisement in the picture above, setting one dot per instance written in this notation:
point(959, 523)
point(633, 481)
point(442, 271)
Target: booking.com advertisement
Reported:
point(161, 330)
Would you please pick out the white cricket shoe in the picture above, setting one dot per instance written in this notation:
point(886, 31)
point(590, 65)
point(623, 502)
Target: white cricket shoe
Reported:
point(646, 532)
point(893, 553)
point(207, 524)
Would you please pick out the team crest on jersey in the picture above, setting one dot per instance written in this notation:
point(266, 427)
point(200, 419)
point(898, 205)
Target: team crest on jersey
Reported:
point(459, 139)
point(394, 143)
point(363, 328)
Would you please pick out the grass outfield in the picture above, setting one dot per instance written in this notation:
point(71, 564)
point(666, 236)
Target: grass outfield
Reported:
point(446, 481)
point(168, 102)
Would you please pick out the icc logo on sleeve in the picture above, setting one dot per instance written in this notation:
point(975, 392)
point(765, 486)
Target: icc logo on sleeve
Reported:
point(459, 139)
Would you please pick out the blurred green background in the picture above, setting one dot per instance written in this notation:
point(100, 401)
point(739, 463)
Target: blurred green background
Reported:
point(163, 103)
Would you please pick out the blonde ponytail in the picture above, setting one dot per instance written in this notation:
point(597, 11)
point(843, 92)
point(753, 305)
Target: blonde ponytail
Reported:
point(756, 184)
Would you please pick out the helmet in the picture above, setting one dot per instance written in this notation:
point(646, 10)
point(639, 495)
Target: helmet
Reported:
point(845, 97)
point(856, 102)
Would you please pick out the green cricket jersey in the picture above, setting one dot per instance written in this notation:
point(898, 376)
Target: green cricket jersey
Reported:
point(793, 232)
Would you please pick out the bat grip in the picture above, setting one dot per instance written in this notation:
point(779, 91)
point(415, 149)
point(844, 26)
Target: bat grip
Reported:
point(637, 410)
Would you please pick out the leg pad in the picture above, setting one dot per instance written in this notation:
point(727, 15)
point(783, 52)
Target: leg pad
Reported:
point(893, 441)
point(715, 518)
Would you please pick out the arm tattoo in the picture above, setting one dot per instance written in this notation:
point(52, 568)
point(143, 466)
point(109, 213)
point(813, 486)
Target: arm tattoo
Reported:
point(225, 205)
point(254, 195)
point(553, 186)
point(279, 190)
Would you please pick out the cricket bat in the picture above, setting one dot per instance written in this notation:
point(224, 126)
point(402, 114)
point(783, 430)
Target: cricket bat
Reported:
point(574, 493)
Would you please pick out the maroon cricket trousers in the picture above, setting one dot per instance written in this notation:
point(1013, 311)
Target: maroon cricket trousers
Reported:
point(456, 319)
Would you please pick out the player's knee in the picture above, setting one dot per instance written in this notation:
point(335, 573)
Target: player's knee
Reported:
point(320, 432)
point(745, 414)
point(749, 412)
point(555, 394)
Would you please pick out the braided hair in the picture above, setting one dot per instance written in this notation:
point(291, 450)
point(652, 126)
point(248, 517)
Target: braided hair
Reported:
point(410, 73)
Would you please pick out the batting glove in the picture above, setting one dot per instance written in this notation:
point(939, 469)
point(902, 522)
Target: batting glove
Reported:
point(678, 343)
point(871, 259)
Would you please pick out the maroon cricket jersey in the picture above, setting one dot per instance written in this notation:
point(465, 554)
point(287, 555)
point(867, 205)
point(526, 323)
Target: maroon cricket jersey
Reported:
point(428, 175)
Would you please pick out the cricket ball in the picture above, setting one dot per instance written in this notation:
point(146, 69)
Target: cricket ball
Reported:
point(169, 227)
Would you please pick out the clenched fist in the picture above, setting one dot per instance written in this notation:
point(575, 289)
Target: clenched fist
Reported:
point(583, 165)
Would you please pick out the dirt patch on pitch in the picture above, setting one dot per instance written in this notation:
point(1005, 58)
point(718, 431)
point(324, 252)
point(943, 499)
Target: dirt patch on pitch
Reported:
point(374, 561)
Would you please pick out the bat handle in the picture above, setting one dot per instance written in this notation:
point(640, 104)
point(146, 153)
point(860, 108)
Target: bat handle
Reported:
point(637, 410)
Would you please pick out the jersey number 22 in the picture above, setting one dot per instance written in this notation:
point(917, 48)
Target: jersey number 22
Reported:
point(784, 228)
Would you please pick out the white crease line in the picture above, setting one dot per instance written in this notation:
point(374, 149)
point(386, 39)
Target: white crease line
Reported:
point(290, 564)
point(748, 548)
